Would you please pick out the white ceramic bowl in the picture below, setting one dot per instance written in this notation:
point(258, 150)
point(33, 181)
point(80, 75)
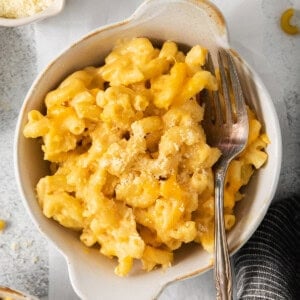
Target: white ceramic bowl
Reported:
point(55, 8)
point(185, 21)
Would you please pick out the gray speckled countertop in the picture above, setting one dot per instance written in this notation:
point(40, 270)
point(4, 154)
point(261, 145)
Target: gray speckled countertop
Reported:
point(27, 261)
point(23, 251)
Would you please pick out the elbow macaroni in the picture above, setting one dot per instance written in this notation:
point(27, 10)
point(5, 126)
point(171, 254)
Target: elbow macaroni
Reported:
point(131, 168)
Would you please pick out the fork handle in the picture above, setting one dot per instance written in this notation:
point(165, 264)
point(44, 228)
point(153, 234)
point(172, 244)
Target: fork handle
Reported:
point(223, 279)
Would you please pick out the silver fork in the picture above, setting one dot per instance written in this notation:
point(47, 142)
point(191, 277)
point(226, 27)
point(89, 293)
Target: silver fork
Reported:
point(226, 126)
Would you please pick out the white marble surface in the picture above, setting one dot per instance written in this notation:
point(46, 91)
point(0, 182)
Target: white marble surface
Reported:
point(27, 261)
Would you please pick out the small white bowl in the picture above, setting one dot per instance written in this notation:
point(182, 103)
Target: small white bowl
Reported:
point(55, 8)
point(188, 22)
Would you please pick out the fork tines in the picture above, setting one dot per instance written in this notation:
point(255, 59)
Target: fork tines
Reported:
point(228, 104)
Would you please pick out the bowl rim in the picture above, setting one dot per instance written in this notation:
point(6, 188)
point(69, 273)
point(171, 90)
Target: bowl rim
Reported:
point(55, 8)
point(134, 17)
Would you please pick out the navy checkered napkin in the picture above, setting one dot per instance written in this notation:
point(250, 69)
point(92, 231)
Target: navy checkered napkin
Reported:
point(268, 266)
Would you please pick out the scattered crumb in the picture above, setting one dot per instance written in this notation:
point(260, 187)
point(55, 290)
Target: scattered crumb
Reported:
point(35, 259)
point(27, 244)
point(15, 246)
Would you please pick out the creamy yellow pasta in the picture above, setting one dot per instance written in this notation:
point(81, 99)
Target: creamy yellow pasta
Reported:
point(131, 169)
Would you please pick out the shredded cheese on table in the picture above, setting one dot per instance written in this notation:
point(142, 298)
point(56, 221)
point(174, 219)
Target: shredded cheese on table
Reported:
point(22, 8)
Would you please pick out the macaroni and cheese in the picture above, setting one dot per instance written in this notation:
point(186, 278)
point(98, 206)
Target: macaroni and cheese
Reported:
point(2, 225)
point(131, 169)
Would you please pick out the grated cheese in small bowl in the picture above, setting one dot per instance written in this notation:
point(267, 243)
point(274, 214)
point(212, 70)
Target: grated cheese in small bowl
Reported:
point(21, 12)
point(22, 8)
